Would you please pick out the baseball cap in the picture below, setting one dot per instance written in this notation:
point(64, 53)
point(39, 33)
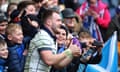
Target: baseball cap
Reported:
point(68, 13)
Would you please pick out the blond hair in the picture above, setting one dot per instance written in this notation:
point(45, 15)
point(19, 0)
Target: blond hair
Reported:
point(11, 28)
point(85, 35)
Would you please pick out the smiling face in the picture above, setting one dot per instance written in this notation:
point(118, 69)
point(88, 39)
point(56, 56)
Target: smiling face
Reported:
point(14, 33)
point(61, 36)
point(16, 36)
point(3, 51)
point(30, 9)
point(56, 22)
point(3, 26)
point(70, 23)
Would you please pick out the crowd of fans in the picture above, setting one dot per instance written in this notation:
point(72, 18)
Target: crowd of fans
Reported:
point(55, 35)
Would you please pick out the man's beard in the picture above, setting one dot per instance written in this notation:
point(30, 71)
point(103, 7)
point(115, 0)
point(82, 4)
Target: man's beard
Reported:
point(56, 30)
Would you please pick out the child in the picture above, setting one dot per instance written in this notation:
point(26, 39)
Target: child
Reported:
point(86, 41)
point(3, 24)
point(85, 37)
point(3, 54)
point(87, 57)
point(91, 47)
point(16, 48)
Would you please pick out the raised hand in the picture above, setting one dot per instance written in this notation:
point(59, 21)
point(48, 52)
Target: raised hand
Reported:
point(76, 50)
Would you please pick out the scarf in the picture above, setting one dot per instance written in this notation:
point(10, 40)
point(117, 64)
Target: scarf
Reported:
point(91, 25)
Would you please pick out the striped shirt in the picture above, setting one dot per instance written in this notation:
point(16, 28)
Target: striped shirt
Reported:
point(41, 41)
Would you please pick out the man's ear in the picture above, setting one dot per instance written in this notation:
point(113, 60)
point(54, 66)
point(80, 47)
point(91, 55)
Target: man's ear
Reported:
point(9, 37)
point(49, 22)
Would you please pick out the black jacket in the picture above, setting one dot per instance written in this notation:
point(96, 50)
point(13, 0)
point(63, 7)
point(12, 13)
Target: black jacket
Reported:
point(114, 26)
point(76, 62)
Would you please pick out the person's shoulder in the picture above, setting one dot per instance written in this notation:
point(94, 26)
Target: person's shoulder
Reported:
point(42, 39)
point(41, 35)
point(103, 4)
point(12, 47)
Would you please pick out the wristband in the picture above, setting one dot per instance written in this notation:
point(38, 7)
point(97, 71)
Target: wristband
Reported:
point(68, 53)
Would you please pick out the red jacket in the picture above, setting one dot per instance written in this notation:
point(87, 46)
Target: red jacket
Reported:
point(103, 20)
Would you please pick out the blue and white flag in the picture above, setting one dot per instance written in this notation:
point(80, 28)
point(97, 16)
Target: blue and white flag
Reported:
point(109, 62)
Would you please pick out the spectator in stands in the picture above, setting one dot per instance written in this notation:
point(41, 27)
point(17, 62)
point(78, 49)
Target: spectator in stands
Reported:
point(61, 36)
point(3, 54)
point(11, 7)
point(3, 25)
point(16, 48)
point(96, 18)
point(39, 4)
point(23, 8)
point(3, 5)
point(72, 21)
point(73, 4)
point(88, 56)
point(69, 19)
point(30, 26)
point(91, 54)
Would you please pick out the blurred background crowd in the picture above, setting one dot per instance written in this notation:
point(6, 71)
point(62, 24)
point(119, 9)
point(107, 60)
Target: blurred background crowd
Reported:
point(85, 19)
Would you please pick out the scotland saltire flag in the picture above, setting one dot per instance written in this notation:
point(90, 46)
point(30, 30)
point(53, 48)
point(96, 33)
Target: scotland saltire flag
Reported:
point(109, 62)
